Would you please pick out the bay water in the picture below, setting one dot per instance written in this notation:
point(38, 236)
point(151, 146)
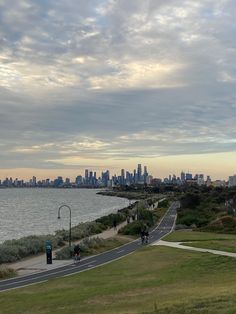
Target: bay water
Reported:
point(34, 211)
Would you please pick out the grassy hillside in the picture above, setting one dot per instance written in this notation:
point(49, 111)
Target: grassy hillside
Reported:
point(152, 280)
point(208, 209)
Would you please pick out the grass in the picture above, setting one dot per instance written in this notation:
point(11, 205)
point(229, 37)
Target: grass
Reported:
point(205, 240)
point(221, 245)
point(152, 280)
point(185, 236)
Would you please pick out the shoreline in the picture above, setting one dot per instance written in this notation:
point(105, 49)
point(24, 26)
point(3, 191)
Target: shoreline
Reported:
point(35, 211)
point(59, 237)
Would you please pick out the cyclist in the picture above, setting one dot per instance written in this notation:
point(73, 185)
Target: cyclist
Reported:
point(76, 253)
point(142, 236)
point(146, 233)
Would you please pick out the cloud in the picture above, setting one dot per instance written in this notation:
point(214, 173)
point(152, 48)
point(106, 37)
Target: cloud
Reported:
point(104, 80)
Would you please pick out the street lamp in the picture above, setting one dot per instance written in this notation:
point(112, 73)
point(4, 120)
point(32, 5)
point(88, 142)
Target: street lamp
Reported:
point(59, 210)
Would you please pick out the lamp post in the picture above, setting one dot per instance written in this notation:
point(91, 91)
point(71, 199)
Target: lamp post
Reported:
point(59, 210)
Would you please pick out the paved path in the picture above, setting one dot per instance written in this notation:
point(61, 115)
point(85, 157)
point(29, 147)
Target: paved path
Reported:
point(164, 227)
point(179, 245)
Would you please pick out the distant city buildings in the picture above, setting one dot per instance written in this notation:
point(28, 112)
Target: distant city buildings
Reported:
point(139, 176)
point(232, 180)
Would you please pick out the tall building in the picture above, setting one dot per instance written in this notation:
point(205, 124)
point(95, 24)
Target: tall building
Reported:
point(122, 179)
point(139, 172)
point(232, 180)
point(145, 174)
point(135, 176)
point(105, 177)
point(189, 176)
point(86, 176)
point(79, 180)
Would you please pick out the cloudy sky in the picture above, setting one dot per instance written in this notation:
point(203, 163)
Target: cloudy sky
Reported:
point(109, 83)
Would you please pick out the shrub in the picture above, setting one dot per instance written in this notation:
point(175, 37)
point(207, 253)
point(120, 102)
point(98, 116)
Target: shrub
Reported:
point(85, 246)
point(190, 200)
point(226, 224)
point(164, 203)
point(109, 219)
point(133, 228)
point(64, 253)
point(6, 272)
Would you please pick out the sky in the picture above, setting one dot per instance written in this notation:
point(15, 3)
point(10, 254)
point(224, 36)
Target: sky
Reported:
point(108, 84)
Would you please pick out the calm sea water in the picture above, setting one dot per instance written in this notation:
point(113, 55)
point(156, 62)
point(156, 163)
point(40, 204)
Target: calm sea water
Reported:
point(28, 211)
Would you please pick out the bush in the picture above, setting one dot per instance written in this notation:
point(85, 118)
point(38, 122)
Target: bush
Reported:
point(133, 228)
point(64, 253)
point(109, 219)
point(226, 224)
point(190, 200)
point(86, 245)
point(13, 250)
point(164, 203)
point(6, 272)
point(146, 216)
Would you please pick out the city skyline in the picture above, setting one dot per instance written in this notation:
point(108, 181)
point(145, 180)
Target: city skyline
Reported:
point(140, 174)
point(108, 84)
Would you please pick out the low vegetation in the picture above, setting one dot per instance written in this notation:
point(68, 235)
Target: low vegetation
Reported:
point(91, 246)
point(151, 280)
point(108, 221)
point(6, 272)
point(146, 219)
point(208, 209)
point(13, 250)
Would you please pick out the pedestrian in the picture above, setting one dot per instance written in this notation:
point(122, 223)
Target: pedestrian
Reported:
point(114, 224)
point(128, 219)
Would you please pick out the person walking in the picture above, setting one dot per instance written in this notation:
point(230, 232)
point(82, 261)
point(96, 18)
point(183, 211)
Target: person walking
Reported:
point(114, 224)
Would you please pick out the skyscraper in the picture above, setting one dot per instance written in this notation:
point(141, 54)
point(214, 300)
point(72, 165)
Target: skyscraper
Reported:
point(86, 175)
point(145, 174)
point(139, 172)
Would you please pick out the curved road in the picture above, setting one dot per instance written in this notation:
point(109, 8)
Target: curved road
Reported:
point(164, 227)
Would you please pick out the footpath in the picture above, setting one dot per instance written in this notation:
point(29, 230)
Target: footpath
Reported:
point(179, 245)
point(38, 263)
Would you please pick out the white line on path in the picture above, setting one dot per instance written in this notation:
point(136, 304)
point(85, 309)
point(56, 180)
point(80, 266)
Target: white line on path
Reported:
point(120, 251)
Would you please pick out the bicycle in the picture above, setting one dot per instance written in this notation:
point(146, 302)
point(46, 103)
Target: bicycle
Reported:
point(76, 258)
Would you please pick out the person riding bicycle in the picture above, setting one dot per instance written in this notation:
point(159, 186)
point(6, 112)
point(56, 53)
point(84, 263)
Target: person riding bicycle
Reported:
point(142, 236)
point(77, 252)
point(146, 234)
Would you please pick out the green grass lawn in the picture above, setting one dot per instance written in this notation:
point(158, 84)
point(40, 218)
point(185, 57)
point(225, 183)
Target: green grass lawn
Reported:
point(185, 236)
point(151, 280)
point(215, 241)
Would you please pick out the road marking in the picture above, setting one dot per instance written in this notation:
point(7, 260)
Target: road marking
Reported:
point(120, 251)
